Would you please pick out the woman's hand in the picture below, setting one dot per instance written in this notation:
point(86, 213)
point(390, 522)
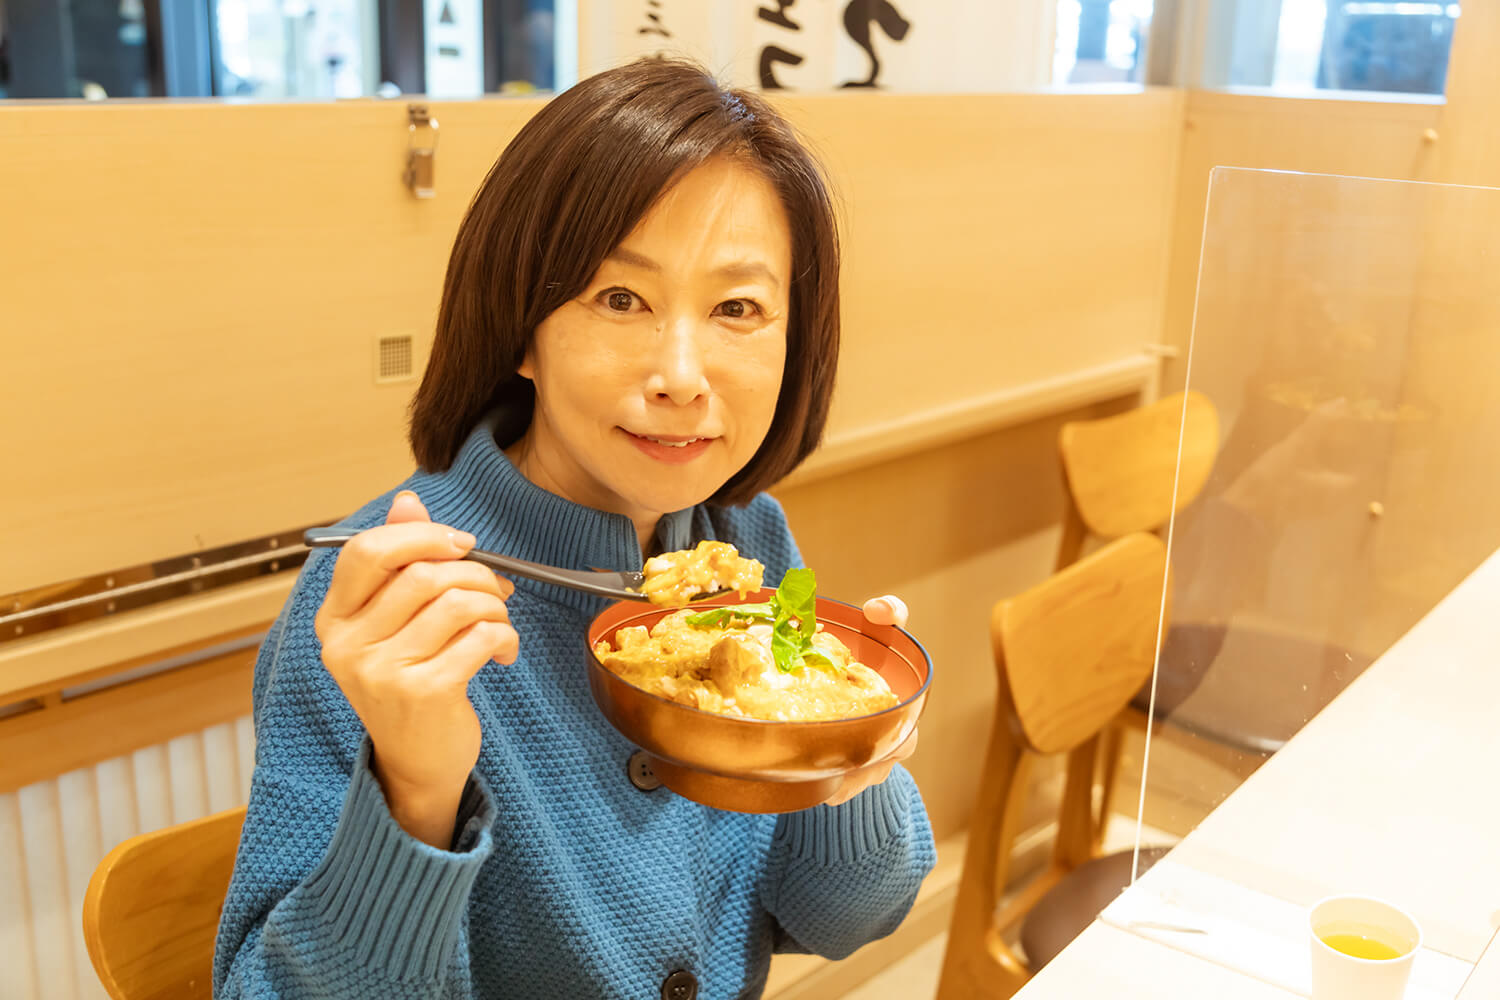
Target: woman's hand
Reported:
point(405, 624)
point(874, 774)
point(887, 610)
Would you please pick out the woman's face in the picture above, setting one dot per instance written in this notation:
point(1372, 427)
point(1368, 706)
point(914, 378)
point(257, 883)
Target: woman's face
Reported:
point(658, 383)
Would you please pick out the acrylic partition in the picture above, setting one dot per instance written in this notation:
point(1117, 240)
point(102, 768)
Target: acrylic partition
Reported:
point(1347, 332)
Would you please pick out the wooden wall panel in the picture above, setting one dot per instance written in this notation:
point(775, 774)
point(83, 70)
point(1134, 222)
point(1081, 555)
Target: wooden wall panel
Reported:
point(1354, 138)
point(1009, 238)
point(1470, 130)
point(192, 293)
point(192, 290)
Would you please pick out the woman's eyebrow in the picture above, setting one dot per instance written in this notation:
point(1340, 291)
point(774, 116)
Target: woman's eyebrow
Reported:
point(737, 270)
point(743, 269)
point(633, 259)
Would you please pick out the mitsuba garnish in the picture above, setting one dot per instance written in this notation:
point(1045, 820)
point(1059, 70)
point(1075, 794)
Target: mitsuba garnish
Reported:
point(792, 612)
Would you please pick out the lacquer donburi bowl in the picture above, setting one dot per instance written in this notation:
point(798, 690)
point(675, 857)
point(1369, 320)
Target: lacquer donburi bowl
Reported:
point(751, 765)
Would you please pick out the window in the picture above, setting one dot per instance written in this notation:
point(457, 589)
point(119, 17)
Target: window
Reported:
point(275, 49)
point(1399, 47)
point(1101, 41)
point(284, 49)
point(88, 49)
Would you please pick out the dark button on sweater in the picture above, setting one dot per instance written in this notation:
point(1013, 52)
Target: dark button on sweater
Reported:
point(641, 775)
point(680, 985)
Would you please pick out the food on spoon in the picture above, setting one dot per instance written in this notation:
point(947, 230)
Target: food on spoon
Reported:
point(767, 661)
point(675, 578)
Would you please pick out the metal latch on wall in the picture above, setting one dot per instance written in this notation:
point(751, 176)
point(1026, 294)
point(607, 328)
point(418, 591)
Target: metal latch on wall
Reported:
point(420, 158)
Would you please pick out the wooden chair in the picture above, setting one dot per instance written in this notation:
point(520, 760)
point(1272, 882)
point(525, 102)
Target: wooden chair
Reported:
point(1120, 473)
point(1070, 652)
point(151, 911)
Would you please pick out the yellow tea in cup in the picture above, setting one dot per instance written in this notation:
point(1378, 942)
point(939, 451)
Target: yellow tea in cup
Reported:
point(1359, 946)
point(1362, 948)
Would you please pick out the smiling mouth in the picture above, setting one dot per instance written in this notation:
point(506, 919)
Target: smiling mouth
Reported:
point(669, 442)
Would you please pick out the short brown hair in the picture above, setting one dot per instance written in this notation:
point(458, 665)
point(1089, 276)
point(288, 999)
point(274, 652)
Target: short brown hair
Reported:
point(573, 184)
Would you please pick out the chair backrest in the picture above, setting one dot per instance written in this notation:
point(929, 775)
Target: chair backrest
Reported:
point(1070, 652)
point(1074, 649)
point(152, 907)
point(1120, 471)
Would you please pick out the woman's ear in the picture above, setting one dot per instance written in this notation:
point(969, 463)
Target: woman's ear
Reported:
point(525, 369)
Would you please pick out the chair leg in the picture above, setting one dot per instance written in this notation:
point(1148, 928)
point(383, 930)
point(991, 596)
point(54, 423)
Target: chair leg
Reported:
point(1112, 742)
point(995, 975)
point(976, 962)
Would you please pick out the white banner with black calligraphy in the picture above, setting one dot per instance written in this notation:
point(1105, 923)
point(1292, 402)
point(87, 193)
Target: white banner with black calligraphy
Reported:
point(908, 46)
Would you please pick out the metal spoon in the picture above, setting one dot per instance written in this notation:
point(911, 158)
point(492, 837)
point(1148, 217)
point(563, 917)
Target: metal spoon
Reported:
point(621, 586)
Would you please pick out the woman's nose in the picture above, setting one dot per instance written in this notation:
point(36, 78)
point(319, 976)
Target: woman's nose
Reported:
point(679, 369)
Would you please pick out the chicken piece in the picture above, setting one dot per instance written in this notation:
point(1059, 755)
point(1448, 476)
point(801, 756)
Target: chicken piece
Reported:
point(737, 661)
point(681, 641)
point(631, 636)
point(671, 649)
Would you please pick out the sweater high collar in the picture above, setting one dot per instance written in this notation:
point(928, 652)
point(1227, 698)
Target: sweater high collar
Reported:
point(484, 494)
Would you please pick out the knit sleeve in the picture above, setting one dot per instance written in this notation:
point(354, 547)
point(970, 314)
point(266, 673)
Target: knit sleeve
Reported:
point(330, 897)
point(842, 876)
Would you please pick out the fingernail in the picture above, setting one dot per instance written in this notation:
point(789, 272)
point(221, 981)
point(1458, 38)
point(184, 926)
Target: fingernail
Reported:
point(462, 539)
point(404, 493)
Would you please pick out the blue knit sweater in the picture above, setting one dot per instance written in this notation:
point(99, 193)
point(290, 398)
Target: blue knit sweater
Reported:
point(564, 880)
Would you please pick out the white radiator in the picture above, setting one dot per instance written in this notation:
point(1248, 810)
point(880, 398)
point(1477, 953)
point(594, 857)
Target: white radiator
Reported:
point(54, 833)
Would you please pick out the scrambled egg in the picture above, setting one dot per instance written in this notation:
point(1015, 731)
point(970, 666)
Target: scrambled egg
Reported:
point(674, 578)
point(729, 669)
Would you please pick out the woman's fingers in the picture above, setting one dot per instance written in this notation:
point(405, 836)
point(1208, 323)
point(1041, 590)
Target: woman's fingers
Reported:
point(448, 614)
point(859, 781)
point(887, 610)
point(906, 749)
point(874, 774)
point(468, 652)
point(418, 585)
point(369, 560)
point(406, 506)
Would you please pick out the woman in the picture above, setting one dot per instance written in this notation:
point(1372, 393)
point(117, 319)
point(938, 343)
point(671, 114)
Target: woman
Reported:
point(638, 334)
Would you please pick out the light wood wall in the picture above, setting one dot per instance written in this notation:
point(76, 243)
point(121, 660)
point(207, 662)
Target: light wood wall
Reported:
point(1390, 139)
point(193, 291)
point(1471, 117)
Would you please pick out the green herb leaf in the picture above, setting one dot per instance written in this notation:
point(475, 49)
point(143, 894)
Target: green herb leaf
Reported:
point(785, 649)
point(716, 616)
point(795, 600)
point(707, 619)
point(798, 596)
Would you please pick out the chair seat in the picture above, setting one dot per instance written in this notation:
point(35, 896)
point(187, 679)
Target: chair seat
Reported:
point(1070, 906)
point(1244, 687)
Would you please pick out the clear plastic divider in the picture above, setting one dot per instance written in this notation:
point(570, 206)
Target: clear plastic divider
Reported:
point(1347, 332)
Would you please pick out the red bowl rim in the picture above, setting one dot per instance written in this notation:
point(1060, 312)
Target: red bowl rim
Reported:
point(750, 720)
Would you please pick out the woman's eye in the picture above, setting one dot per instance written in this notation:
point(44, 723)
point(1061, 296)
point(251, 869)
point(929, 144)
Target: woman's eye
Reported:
point(737, 308)
point(619, 301)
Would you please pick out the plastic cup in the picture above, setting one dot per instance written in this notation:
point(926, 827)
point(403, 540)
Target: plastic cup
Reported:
point(1365, 926)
